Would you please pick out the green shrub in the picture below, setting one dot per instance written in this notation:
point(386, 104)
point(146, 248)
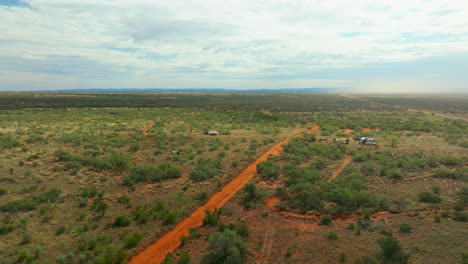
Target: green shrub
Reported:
point(405, 228)
point(131, 241)
point(326, 220)
point(343, 257)
point(429, 197)
point(148, 173)
point(123, 199)
point(3, 191)
point(211, 219)
point(451, 161)
point(72, 165)
point(60, 230)
point(26, 239)
point(52, 195)
point(18, 205)
point(226, 247)
point(242, 230)
point(205, 169)
point(88, 192)
point(5, 229)
point(121, 220)
point(184, 258)
point(460, 216)
point(62, 155)
point(170, 218)
point(269, 170)
point(332, 235)
point(8, 142)
point(391, 249)
point(444, 173)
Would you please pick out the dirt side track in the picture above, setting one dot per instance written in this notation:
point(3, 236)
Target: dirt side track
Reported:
point(156, 252)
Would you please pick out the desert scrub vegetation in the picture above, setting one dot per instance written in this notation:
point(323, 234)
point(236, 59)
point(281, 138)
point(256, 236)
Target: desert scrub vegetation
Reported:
point(149, 173)
point(92, 165)
point(206, 168)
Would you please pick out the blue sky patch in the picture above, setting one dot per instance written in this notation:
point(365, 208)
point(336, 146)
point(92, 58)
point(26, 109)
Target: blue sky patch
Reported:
point(13, 3)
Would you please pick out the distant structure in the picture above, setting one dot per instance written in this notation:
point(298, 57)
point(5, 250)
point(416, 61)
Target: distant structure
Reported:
point(365, 141)
point(213, 133)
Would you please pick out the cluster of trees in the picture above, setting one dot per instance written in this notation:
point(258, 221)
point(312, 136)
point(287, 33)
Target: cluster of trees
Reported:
point(150, 173)
point(28, 204)
point(206, 168)
point(114, 162)
point(387, 164)
point(307, 191)
point(301, 149)
point(269, 170)
point(277, 102)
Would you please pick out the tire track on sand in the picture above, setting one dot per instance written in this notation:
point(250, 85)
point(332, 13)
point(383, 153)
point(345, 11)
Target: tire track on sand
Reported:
point(335, 174)
point(156, 252)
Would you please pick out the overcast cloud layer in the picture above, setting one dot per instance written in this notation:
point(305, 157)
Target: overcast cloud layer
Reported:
point(377, 46)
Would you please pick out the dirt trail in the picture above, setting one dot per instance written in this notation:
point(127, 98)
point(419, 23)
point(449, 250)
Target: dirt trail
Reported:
point(157, 252)
point(337, 172)
point(272, 200)
point(146, 127)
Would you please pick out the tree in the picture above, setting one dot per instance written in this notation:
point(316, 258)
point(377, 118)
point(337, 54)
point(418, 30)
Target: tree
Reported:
point(391, 249)
point(226, 247)
point(268, 169)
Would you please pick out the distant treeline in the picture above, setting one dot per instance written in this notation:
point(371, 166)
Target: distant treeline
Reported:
point(275, 102)
point(447, 103)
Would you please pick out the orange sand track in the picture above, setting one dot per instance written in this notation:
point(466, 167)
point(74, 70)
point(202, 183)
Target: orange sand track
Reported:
point(337, 172)
point(156, 253)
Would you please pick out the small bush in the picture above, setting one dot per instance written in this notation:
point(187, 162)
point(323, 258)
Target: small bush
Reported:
point(72, 165)
point(269, 170)
point(211, 219)
point(405, 228)
point(460, 216)
point(60, 230)
point(326, 220)
point(184, 258)
point(3, 191)
point(391, 249)
point(132, 240)
point(5, 229)
point(343, 257)
point(121, 220)
point(429, 197)
point(26, 239)
point(123, 199)
point(170, 218)
point(332, 235)
point(18, 205)
point(52, 195)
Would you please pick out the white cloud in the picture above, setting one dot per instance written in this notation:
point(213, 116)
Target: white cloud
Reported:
point(189, 40)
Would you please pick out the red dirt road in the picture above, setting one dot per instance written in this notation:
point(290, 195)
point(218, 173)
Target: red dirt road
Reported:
point(156, 253)
point(337, 172)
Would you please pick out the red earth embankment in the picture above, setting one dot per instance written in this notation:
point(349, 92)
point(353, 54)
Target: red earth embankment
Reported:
point(157, 252)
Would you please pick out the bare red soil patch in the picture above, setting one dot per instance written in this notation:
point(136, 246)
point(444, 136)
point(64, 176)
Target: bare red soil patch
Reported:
point(370, 129)
point(347, 130)
point(157, 252)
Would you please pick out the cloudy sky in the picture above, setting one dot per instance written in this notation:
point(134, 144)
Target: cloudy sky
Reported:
point(366, 45)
